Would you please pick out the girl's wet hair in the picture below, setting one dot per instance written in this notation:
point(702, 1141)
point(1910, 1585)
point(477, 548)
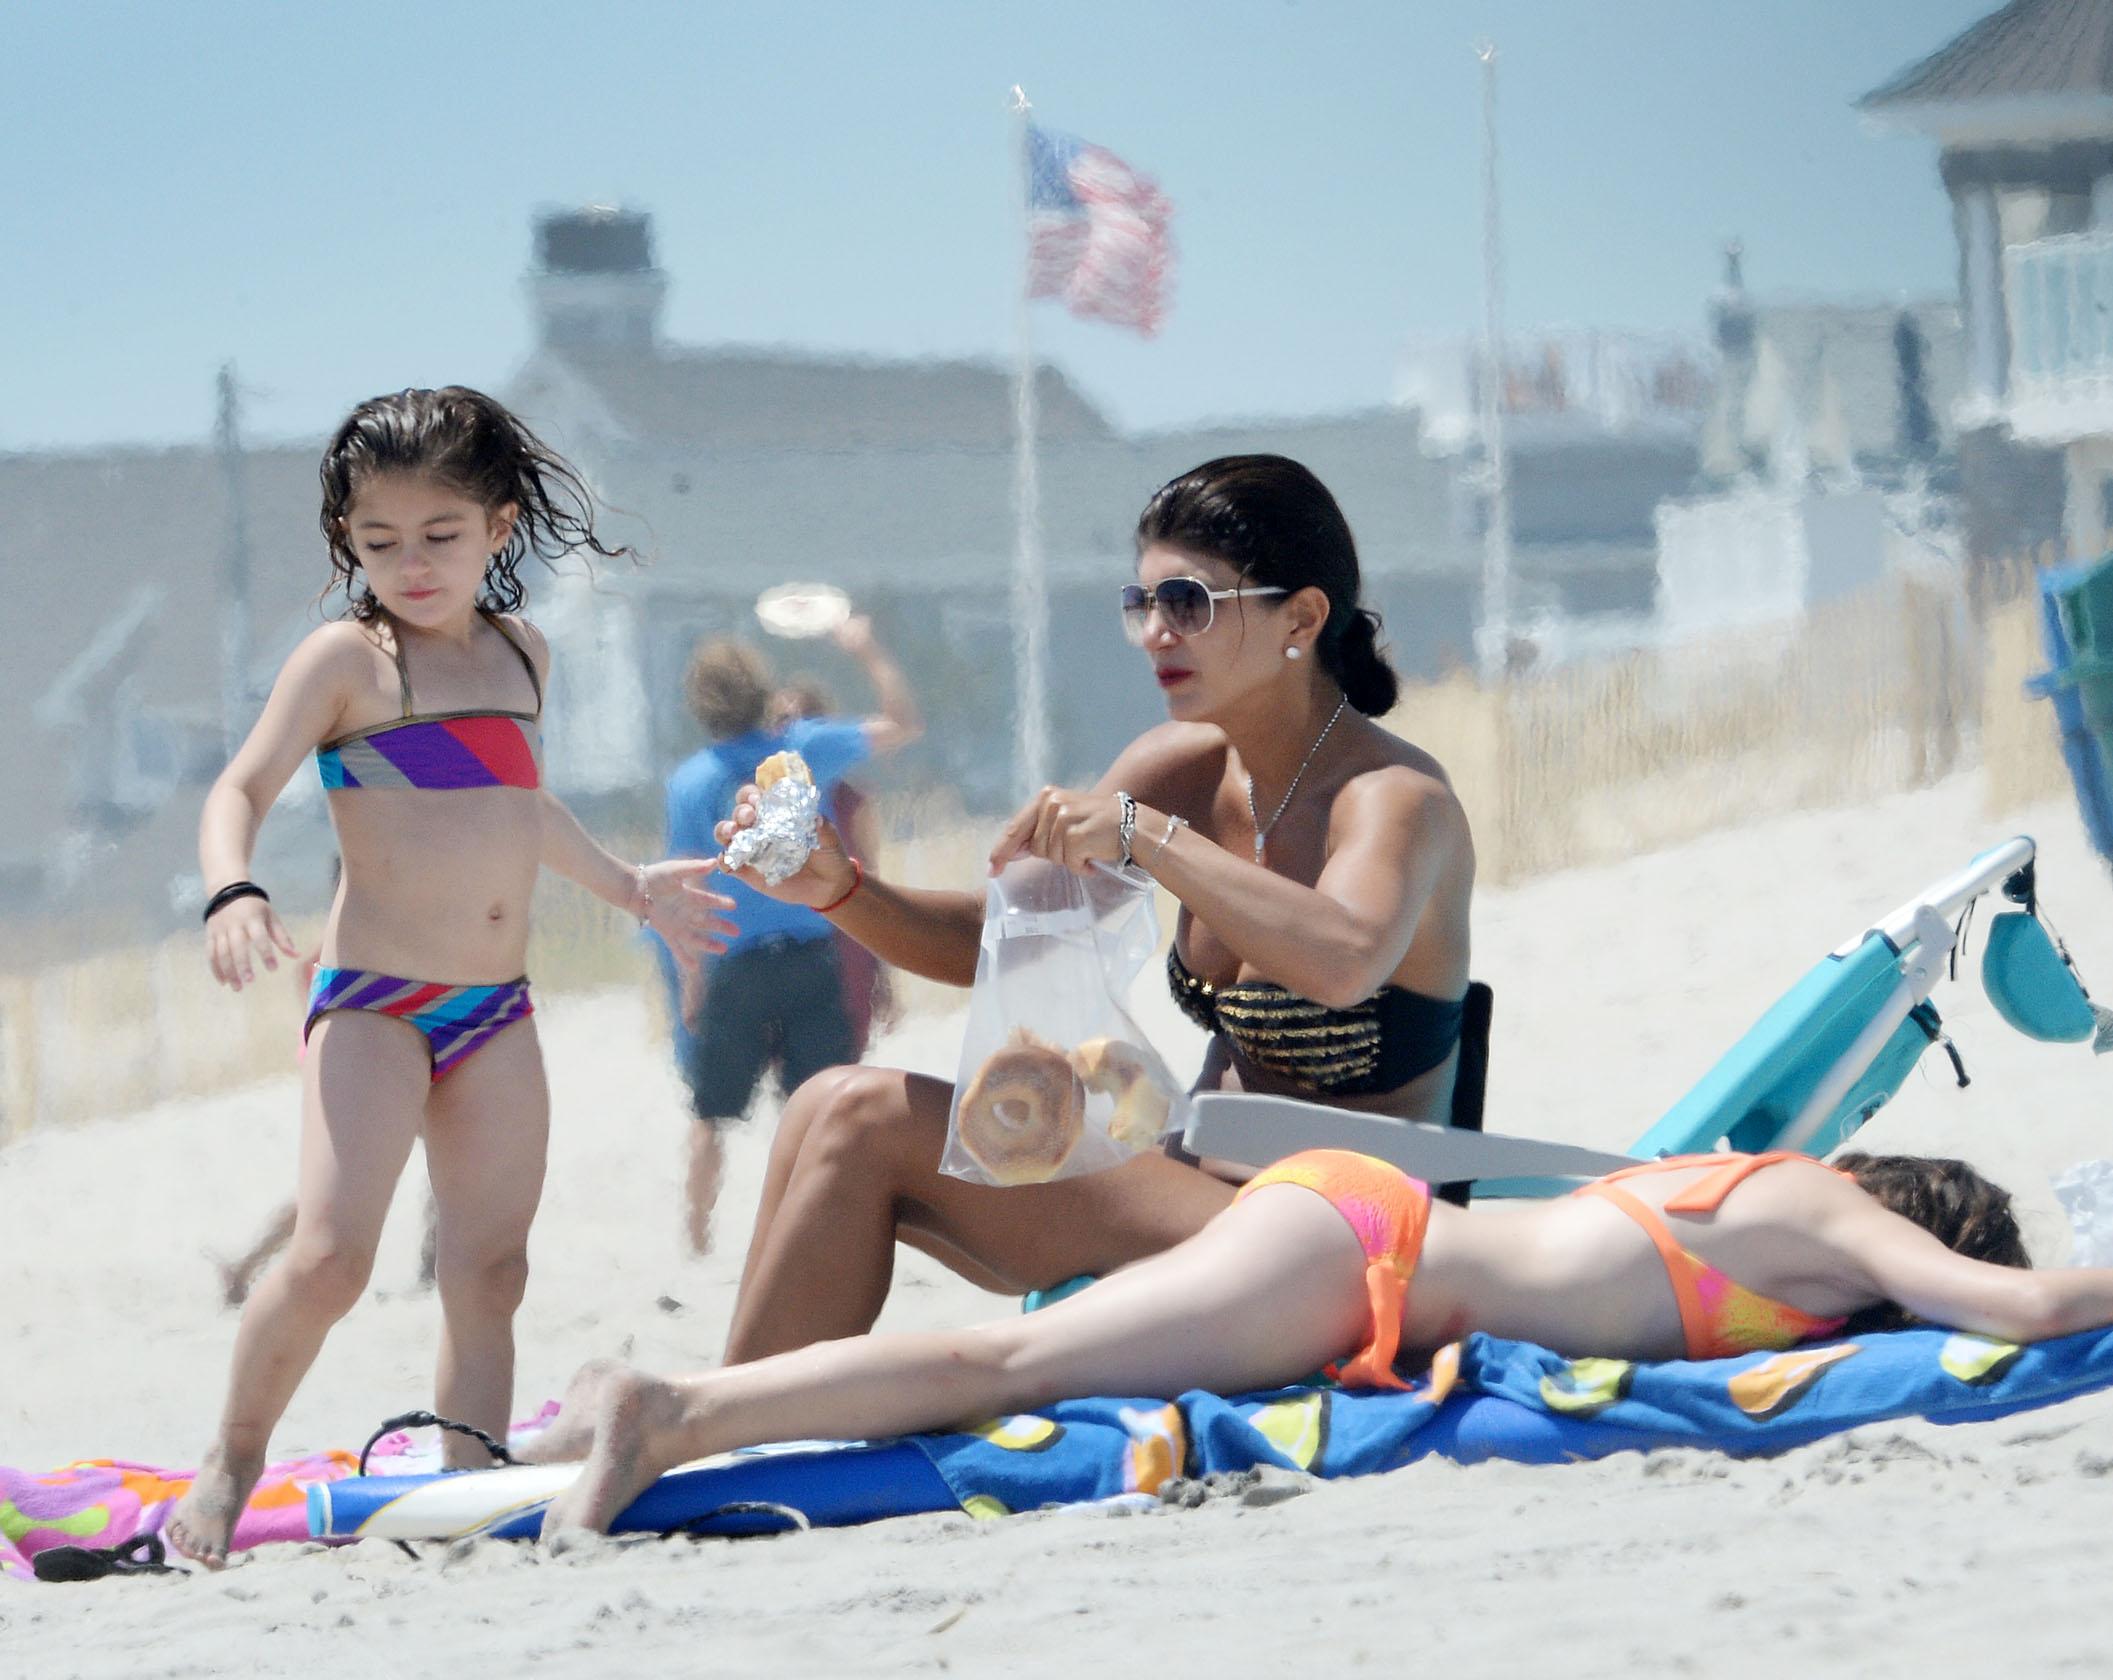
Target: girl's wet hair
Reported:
point(1948, 1199)
point(471, 443)
point(1276, 524)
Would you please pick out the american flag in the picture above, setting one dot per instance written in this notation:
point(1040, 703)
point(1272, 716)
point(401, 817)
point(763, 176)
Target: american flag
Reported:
point(1096, 233)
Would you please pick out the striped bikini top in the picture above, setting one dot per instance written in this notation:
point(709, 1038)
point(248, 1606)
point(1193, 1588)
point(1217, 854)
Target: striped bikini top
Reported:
point(1379, 1045)
point(444, 750)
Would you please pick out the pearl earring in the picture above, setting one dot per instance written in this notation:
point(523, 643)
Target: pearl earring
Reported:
point(1291, 653)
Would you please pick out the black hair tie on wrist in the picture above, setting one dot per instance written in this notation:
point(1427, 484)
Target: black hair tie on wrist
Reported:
point(229, 893)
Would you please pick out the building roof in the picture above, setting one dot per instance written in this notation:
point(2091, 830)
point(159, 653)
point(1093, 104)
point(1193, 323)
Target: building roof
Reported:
point(729, 523)
point(2031, 49)
point(733, 398)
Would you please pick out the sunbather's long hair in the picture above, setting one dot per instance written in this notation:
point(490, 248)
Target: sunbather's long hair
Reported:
point(1948, 1199)
point(1273, 521)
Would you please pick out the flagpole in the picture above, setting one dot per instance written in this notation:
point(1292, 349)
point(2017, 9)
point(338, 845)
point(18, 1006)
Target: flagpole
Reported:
point(1030, 603)
point(1496, 536)
point(234, 565)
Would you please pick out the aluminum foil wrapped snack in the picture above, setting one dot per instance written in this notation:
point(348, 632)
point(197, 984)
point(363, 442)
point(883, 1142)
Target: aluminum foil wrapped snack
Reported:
point(787, 812)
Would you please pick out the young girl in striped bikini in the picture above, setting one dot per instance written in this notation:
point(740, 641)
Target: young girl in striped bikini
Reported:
point(421, 707)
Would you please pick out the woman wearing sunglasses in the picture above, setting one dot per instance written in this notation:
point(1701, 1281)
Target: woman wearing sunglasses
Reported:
point(1323, 868)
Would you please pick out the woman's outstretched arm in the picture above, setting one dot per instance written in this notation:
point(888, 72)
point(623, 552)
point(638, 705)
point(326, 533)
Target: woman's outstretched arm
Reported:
point(1271, 1289)
point(1902, 1262)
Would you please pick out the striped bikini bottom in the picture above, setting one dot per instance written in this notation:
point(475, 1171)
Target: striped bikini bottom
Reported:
point(457, 1021)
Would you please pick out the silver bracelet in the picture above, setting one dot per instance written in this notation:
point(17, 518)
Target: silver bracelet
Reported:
point(645, 896)
point(1126, 825)
point(1166, 839)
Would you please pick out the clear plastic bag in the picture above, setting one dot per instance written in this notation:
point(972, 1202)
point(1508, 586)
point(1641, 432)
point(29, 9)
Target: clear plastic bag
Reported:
point(1055, 1078)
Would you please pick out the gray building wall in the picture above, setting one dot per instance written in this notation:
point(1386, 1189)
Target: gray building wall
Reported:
point(724, 496)
point(923, 538)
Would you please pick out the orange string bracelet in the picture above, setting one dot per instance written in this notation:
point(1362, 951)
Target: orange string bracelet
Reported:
point(858, 879)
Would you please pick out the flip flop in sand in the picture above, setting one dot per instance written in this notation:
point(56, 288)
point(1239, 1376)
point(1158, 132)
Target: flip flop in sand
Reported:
point(143, 1554)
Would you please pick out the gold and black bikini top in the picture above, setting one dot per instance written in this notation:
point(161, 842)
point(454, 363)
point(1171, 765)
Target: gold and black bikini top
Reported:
point(1375, 1046)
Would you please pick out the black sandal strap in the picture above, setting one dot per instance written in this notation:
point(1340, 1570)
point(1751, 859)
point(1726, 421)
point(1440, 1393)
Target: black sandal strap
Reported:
point(795, 1520)
point(143, 1554)
point(431, 1420)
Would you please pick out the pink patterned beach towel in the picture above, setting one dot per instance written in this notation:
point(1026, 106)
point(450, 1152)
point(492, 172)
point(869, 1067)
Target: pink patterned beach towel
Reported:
point(108, 1501)
point(103, 1502)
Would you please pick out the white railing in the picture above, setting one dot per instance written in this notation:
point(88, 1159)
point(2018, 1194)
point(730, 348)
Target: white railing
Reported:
point(2059, 297)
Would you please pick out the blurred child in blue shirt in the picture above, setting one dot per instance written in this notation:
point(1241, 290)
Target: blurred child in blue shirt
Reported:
point(776, 996)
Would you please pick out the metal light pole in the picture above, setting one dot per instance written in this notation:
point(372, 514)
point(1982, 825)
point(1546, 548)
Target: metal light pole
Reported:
point(1030, 586)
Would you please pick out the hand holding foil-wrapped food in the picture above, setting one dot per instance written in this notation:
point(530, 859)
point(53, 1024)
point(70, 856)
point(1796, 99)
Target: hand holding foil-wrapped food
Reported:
point(787, 826)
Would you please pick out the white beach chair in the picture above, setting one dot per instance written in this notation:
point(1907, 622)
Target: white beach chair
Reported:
point(1812, 1070)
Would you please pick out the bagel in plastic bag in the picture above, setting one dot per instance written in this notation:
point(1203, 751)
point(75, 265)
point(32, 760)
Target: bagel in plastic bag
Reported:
point(1055, 1077)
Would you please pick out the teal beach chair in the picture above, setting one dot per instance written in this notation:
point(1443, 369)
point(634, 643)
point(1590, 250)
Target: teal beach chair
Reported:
point(2076, 627)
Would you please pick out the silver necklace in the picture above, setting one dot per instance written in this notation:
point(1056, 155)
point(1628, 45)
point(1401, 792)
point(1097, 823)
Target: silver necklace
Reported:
point(1262, 828)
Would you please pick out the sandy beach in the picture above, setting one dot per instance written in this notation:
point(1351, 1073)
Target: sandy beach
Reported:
point(1894, 1550)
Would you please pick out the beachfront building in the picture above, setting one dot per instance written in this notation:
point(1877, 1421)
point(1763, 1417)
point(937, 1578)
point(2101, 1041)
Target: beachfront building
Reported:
point(1668, 486)
point(737, 468)
point(113, 716)
point(1828, 461)
point(733, 468)
point(1843, 392)
point(1599, 428)
point(2021, 104)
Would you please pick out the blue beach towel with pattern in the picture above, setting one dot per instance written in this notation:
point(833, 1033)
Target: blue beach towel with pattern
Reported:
point(1484, 1399)
point(1490, 1398)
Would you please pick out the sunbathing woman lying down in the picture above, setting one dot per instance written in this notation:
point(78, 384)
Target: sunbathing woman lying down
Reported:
point(1332, 1259)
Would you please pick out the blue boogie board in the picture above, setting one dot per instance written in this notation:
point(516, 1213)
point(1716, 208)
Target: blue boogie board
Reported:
point(830, 1483)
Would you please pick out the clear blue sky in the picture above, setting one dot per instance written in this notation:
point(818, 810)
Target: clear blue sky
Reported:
point(338, 197)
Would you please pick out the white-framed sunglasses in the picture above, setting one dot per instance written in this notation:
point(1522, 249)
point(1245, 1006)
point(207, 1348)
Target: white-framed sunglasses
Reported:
point(1189, 605)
